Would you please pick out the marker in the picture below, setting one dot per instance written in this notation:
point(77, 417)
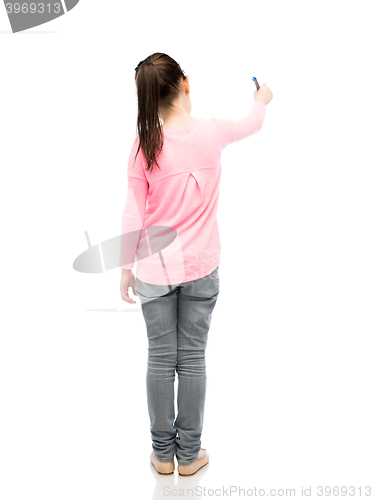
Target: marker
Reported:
point(256, 83)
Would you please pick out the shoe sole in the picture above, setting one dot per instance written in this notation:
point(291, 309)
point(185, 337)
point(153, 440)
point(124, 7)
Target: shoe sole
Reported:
point(192, 474)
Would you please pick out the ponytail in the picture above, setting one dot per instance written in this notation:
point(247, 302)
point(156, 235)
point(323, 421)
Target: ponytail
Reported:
point(158, 83)
point(148, 123)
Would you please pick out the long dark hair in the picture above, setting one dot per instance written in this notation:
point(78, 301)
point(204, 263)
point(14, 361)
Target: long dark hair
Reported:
point(158, 79)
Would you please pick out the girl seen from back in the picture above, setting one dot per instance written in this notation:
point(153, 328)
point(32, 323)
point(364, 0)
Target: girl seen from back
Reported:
point(170, 224)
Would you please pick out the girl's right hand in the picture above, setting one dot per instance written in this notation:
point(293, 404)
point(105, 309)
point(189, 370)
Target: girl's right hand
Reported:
point(264, 94)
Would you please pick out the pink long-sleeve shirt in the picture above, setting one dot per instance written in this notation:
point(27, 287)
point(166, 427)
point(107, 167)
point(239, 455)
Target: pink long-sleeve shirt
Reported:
point(171, 213)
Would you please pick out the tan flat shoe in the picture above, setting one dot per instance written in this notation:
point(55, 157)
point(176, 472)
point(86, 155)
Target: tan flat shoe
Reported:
point(189, 470)
point(162, 467)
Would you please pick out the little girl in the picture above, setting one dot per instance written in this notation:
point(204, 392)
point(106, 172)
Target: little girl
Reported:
point(170, 223)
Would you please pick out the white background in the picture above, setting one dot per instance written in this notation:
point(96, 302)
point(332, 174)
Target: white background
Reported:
point(289, 358)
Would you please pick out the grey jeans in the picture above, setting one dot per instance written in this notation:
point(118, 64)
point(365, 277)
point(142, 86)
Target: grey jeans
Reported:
point(177, 324)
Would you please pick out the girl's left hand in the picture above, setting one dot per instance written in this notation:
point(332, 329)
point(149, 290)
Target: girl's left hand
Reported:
point(127, 281)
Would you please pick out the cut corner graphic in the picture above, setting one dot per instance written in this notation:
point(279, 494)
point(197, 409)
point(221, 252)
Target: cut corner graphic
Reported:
point(28, 14)
point(70, 4)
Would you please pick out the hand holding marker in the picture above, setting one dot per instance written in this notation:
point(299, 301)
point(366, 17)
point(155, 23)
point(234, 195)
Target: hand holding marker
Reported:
point(256, 83)
point(262, 94)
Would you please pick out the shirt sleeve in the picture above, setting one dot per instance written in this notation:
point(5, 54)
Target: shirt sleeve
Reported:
point(135, 208)
point(229, 131)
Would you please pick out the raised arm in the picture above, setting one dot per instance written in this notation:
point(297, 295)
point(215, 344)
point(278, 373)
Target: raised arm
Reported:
point(229, 131)
point(251, 124)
